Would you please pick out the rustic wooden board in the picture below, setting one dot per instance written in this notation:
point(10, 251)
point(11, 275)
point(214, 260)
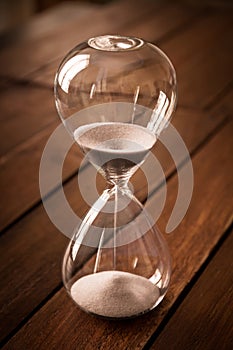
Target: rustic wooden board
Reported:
point(20, 174)
point(60, 323)
point(202, 70)
point(20, 121)
point(170, 20)
point(158, 24)
point(198, 37)
point(28, 229)
point(32, 267)
point(3, 83)
point(47, 21)
point(33, 54)
point(225, 103)
point(204, 319)
point(25, 193)
point(34, 307)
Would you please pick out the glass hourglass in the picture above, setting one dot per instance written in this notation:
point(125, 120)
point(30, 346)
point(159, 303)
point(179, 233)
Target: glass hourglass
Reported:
point(115, 95)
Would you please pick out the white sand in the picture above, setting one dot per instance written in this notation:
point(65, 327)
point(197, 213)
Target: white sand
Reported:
point(117, 137)
point(115, 294)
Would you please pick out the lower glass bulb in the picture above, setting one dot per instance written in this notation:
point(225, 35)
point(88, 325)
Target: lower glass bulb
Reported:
point(117, 265)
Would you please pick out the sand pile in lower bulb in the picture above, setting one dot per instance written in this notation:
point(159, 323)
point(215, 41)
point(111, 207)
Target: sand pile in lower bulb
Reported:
point(114, 294)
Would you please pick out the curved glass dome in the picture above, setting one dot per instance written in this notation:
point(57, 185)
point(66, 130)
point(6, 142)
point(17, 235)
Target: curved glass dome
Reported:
point(116, 75)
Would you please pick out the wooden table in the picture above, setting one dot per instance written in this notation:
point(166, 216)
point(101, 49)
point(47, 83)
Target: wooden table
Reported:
point(36, 312)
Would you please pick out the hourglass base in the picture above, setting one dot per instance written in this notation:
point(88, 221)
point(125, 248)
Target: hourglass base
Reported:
point(117, 264)
point(115, 294)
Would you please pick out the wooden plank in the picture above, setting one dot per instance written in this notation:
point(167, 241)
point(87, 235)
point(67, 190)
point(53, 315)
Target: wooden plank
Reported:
point(195, 55)
point(199, 37)
point(79, 205)
point(45, 22)
point(21, 168)
point(155, 26)
point(24, 193)
point(3, 83)
point(207, 307)
point(22, 276)
point(170, 19)
point(226, 103)
point(33, 54)
point(190, 246)
point(20, 121)
point(19, 286)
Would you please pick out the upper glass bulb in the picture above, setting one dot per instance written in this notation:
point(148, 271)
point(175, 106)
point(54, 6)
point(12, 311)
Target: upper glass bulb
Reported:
point(124, 79)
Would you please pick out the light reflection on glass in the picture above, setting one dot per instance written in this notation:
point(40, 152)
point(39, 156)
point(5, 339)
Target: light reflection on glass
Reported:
point(71, 68)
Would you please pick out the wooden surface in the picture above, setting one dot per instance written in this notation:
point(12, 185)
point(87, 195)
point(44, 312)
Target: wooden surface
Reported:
point(36, 312)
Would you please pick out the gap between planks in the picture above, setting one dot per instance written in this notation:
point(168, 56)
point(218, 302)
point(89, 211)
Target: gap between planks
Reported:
point(211, 130)
point(57, 289)
point(108, 18)
point(131, 30)
point(197, 158)
point(188, 288)
point(192, 14)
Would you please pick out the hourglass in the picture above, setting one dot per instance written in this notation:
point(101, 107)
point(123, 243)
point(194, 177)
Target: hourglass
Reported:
point(115, 95)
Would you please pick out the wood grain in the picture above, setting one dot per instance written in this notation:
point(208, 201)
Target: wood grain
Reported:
point(204, 319)
point(172, 18)
point(35, 310)
point(21, 168)
point(35, 227)
point(199, 37)
point(60, 323)
point(33, 54)
point(24, 193)
point(202, 70)
point(46, 22)
point(20, 121)
point(157, 24)
point(225, 103)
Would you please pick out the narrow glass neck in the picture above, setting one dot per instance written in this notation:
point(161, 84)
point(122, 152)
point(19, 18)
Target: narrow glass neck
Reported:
point(119, 181)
